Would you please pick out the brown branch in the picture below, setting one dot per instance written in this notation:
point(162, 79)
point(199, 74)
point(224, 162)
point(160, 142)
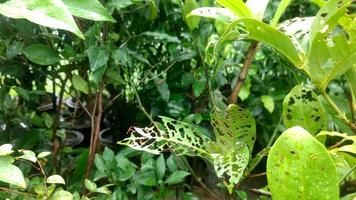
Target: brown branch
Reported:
point(251, 52)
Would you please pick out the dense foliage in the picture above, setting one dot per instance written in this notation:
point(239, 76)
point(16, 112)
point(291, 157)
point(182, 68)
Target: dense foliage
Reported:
point(177, 99)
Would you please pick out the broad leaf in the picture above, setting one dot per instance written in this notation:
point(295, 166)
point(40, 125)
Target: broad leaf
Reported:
point(255, 30)
point(238, 7)
point(50, 13)
point(41, 54)
point(178, 136)
point(176, 177)
point(163, 89)
point(339, 141)
point(28, 155)
point(11, 174)
point(268, 102)
point(280, 10)
point(221, 14)
point(233, 125)
point(91, 186)
point(6, 149)
point(160, 166)
point(88, 9)
point(98, 57)
point(192, 21)
point(302, 107)
point(299, 167)
point(80, 84)
point(62, 195)
point(55, 179)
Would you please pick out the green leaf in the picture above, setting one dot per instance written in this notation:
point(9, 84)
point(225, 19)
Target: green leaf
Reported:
point(50, 13)
point(230, 162)
point(257, 8)
point(41, 54)
point(198, 87)
point(233, 125)
point(127, 168)
point(147, 178)
point(163, 89)
point(221, 14)
point(346, 143)
point(88, 9)
point(299, 167)
point(192, 21)
point(109, 158)
point(14, 49)
point(43, 154)
point(98, 57)
point(238, 7)
point(91, 186)
point(28, 155)
point(161, 167)
point(249, 28)
point(180, 137)
point(55, 179)
point(268, 102)
point(280, 10)
point(302, 107)
point(62, 195)
point(11, 174)
point(80, 84)
point(176, 177)
point(6, 149)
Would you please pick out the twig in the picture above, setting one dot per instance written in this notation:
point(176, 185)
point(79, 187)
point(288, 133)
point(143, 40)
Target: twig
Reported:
point(258, 175)
point(251, 52)
point(44, 180)
point(260, 192)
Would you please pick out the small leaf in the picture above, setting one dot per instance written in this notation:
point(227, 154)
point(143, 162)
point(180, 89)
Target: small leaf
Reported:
point(88, 9)
point(147, 178)
point(43, 154)
point(192, 21)
point(126, 168)
point(176, 177)
point(55, 179)
point(41, 54)
point(163, 89)
point(299, 167)
point(62, 195)
point(91, 186)
point(160, 166)
point(28, 155)
point(11, 174)
point(80, 84)
point(98, 57)
point(268, 102)
point(103, 190)
point(6, 149)
point(302, 107)
point(198, 87)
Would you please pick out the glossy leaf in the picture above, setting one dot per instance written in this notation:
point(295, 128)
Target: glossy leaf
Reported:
point(55, 179)
point(255, 30)
point(50, 13)
point(302, 107)
point(11, 174)
point(91, 186)
point(238, 7)
point(43, 154)
point(221, 14)
point(176, 177)
point(62, 195)
point(80, 84)
point(29, 155)
point(233, 125)
point(88, 9)
point(41, 54)
point(6, 149)
point(299, 167)
point(192, 21)
point(280, 10)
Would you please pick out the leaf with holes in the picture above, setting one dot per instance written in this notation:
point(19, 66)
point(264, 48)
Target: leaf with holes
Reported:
point(339, 141)
point(302, 107)
point(233, 125)
point(221, 14)
point(178, 136)
point(231, 163)
point(299, 167)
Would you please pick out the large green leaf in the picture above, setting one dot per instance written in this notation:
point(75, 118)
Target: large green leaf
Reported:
point(88, 9)
point(178, 136)
point(299, 167)
point(50, 13)
point(41, 54)
point(280, 10)
point(192, 21)
point(302, 107)
point(233, 125)
point(255, 30)
point(11, 174)
point(238, 7)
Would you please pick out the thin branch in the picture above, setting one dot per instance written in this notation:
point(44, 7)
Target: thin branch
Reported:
point(251, 52)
